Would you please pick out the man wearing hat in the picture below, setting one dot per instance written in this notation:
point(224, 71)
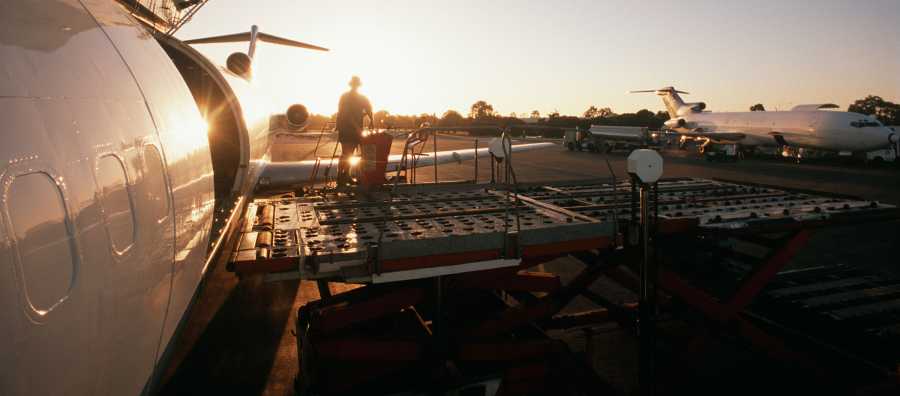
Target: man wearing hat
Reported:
point(352, 108)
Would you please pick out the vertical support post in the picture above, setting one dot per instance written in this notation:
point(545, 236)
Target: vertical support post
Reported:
point(475, 179)
point(506, 171)
point(493, 169)
point(633, 230)
point(647, 307)
point(324, 291)
point(435, 136)
point(438, 325)
point(634, 199)
point(645, 167)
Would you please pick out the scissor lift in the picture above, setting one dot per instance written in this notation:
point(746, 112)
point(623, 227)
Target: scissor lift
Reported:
point(724, 249)
point(449, 301)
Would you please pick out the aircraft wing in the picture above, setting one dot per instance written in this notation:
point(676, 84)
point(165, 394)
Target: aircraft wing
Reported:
point(788, 134)
point(782, 138)
point(815, 106)
point(294, 173)
point(716, 136)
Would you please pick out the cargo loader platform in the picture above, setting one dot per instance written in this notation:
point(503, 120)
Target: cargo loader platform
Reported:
point(407, 235)
point(449, 301)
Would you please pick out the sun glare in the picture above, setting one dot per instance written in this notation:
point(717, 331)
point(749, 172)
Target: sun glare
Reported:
point(291, 77)
point(406, 74)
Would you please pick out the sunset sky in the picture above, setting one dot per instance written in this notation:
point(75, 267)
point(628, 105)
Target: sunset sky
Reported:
point(427, 57)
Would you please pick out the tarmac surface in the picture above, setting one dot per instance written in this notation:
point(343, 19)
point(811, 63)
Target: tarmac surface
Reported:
point(245, 342)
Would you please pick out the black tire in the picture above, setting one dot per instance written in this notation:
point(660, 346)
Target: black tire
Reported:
point(570, 146)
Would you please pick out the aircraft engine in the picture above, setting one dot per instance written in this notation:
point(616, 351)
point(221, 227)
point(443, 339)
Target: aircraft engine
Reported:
point(697, 106)
point(297, 116)
point(240, 63)
point(676, 123)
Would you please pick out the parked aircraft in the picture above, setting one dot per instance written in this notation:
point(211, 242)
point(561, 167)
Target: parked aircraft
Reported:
point(127, 159)
point(804, 126)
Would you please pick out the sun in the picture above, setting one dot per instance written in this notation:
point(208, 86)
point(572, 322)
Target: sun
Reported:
point(399, 85)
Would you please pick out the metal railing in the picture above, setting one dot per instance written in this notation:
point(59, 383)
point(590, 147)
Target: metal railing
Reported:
point(414, 148)
point(166, 16)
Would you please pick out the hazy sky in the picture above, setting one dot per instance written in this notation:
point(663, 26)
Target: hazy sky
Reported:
point(424, 56)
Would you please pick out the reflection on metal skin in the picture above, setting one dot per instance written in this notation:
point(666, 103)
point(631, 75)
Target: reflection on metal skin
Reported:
point(83, 84)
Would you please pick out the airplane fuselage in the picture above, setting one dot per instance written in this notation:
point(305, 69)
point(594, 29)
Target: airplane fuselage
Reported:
point(827, 130)
point(107, 203)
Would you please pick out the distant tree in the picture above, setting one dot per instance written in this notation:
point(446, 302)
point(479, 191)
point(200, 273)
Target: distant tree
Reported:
point(424, 118)
point(643, 118)
point(513, 115)
point(553, 114)
point(381, 118)
point(535, 114)
point(886, 112)
point(451, 118)
point(317, 122)
point(644, 113)
point(757, 107)
point(481, 110)
point(594, 112)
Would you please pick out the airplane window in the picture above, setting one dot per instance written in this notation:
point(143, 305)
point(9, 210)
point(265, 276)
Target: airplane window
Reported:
point(44, 242)
point(116, 200)
point(154, 190)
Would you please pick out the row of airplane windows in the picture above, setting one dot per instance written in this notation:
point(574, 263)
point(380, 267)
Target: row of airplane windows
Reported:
point(44, 232)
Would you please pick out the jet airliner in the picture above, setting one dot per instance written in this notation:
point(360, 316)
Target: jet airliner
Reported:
point(804, 126)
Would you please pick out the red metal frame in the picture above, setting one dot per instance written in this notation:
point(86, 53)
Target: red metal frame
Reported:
point(525, 362)
point(729, 312)
point(522, 281)
point(333, 317)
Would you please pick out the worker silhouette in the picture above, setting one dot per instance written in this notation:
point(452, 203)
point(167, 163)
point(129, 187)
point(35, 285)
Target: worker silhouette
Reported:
point(352, 109)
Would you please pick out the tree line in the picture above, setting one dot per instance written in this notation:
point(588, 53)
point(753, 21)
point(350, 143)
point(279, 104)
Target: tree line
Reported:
point(885, 111)
point(482, 116)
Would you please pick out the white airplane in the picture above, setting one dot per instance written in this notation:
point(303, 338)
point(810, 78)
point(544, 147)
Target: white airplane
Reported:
point(128, 159)
point(805, 126)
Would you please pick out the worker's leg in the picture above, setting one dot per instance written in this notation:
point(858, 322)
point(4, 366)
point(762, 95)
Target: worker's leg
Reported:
point(347, 149)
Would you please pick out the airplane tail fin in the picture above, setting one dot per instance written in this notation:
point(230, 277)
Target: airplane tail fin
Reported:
point(239, 62)
point(670, 98)
point(252, 37)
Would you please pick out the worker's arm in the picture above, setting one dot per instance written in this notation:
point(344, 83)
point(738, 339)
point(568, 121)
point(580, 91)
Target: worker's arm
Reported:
point(369, 114)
